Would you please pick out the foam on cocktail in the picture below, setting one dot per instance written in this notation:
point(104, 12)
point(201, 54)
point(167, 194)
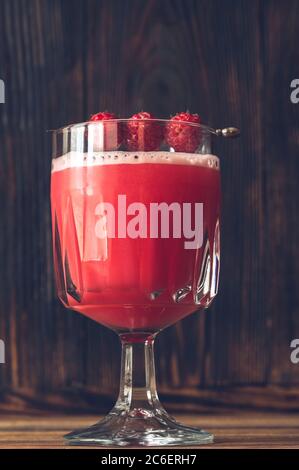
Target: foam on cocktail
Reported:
point(78, 159)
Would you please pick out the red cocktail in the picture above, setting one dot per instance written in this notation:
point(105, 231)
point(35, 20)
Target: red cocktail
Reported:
point(136, 248)
point(137, 283)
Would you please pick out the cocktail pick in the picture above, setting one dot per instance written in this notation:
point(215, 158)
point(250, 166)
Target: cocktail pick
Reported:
point(226, 132)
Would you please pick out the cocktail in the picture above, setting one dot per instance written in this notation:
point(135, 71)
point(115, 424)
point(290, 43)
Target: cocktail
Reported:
point(135, 216)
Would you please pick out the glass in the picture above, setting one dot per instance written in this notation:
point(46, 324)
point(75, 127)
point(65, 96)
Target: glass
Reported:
point(136, 248)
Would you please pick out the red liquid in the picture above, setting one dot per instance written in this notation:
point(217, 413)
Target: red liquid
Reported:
point(130, 284)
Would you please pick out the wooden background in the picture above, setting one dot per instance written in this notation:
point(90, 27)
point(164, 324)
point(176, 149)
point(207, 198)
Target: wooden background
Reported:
point(230, 60)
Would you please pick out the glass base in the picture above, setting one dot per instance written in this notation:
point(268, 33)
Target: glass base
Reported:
point(139, 427)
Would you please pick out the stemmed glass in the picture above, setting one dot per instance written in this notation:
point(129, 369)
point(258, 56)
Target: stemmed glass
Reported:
point(136, 248)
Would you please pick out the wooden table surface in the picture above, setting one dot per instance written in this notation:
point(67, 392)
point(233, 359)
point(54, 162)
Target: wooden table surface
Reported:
point(231, 430)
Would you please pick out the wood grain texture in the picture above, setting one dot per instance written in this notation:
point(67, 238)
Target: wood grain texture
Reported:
point(61, 61)
point(233, 431)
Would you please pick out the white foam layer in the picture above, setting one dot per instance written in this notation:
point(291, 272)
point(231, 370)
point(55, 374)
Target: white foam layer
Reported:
point(78, 159)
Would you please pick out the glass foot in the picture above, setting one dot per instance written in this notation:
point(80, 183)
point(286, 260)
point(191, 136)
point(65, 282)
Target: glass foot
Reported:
point(139, 427)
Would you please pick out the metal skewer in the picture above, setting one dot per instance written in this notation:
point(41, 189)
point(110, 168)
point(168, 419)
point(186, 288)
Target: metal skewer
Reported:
point(226, 132)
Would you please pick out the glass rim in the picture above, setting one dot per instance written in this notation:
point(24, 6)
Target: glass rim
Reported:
point(69, 127)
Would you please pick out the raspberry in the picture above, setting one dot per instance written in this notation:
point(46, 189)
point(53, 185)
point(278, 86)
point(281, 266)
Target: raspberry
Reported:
point(107, 136)
point(183, 137)
point(142, 134)
point(103, 116)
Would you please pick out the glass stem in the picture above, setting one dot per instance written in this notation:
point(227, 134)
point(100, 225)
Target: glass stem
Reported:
point(138, 391)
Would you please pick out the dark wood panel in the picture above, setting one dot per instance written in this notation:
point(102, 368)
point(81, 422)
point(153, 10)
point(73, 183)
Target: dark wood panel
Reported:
point(281, 122)
point(63, 60)
point(82, 399)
